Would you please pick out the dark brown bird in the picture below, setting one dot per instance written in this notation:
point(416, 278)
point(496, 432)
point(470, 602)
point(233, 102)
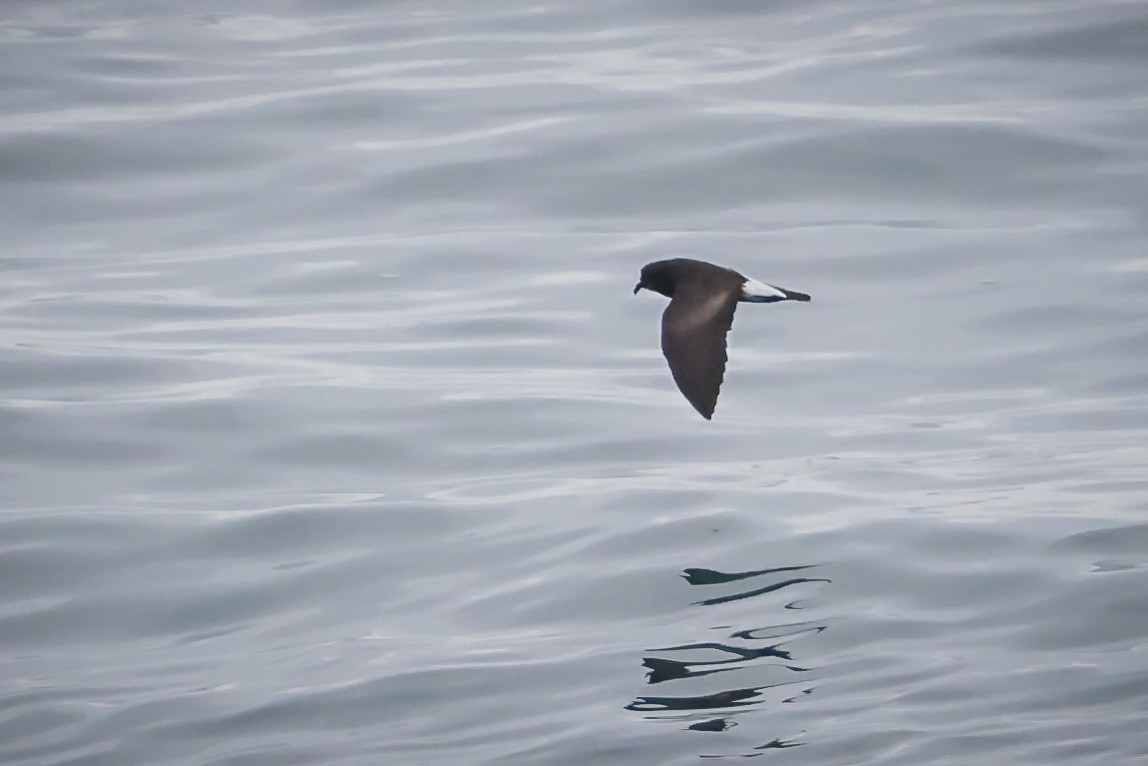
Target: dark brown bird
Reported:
point(694, 326)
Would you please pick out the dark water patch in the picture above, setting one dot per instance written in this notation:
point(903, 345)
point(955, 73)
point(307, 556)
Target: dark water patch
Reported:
point(755, 652)
point(61, 158)
point(1085, 40)
point(696, 576)
point(1127, 539)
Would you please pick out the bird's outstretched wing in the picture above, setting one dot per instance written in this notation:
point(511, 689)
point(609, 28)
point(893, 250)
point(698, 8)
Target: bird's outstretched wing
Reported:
point(694, 329)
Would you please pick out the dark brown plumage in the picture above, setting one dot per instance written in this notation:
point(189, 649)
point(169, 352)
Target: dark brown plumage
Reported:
point(703, 298)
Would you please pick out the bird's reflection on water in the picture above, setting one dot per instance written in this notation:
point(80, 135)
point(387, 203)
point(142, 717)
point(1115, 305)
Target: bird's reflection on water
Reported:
point(766, 649)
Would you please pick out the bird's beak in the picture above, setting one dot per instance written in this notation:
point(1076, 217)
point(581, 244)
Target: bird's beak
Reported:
point(637, 287)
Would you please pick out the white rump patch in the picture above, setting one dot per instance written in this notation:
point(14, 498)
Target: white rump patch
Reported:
point(754, 291)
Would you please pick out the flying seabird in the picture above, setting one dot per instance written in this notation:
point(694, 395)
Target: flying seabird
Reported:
point(694, 326)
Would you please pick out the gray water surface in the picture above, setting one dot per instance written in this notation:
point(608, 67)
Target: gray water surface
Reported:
point(331, 433)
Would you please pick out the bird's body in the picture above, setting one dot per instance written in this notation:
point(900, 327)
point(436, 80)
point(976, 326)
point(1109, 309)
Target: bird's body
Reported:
point(703, 298)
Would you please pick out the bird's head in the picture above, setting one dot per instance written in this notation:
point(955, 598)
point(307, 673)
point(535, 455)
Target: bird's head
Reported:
point(656, 277)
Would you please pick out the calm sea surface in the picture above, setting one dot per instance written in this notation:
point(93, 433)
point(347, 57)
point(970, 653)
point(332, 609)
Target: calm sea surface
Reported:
point(331, 432)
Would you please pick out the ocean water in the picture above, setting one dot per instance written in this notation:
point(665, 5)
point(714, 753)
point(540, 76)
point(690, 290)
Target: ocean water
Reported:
point(331, 432)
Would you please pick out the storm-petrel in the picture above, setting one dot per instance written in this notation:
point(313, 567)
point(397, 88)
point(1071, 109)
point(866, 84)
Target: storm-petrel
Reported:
point(694, 326)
